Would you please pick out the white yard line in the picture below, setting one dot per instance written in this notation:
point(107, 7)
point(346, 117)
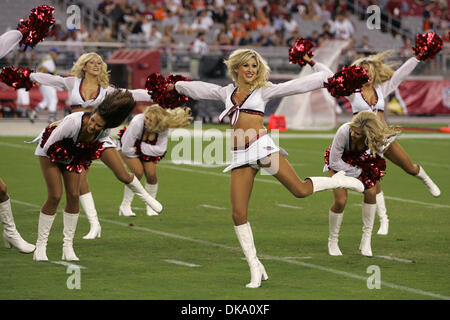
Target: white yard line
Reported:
point(181, 263)
point(288, 206)
point(67, 264)
point(395, 259)
point(212, 207)
point(264, 256)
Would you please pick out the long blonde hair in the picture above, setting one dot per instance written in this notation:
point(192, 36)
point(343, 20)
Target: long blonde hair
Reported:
point(239, 57)
point(77, 69)
point(375, 132)
point(167, 118)
point(379, 71)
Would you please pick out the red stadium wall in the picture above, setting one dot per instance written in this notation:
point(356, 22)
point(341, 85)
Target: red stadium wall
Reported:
point(426, 96)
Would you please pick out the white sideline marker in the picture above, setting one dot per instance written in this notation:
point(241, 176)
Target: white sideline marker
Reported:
point(181, 263)
point(396, 259)
point(288, 206)
point(212, 207)
point(67, 264)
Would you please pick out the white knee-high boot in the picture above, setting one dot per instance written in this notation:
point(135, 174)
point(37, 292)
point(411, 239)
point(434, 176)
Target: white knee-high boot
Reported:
point(125, 206)
point(152, 190)
point(139, 190)
point(339, 180)
point(88, 205)
point(11, 236)
point(368, 217)
point(44, 227)
point(432, 187)
point(335, 221)
point(257, 271)
point(381, 211)
point(70, 226)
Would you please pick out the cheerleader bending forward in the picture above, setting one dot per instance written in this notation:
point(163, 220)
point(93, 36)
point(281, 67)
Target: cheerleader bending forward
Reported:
point(87, 88)
point(144, 143)
point(65, 149)
point(356, 149)
point(383, 80)
point(245, 102)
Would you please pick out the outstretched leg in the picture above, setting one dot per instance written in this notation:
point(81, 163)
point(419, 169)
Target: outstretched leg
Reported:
point(112, 159)
point(398, 156)
point(135, 166)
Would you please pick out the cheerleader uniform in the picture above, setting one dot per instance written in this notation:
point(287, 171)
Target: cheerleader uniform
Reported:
point(359, 103)
point(77, 101)
point(133, 146)
point(70, 128)
point(262, 145)
point(357, 164)
point(74, 86)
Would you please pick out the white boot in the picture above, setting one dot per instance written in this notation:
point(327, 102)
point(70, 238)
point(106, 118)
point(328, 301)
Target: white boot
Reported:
point(432, 187)
point(88, 205)
point(257, 271)
point(339, 180)
point(381, 210)
point(139, 190)
point(368, 218)
point(11, 236)
point(44, 227)
point(335, 221)
point(70, 225)
point(125, 206)
point(152, 190)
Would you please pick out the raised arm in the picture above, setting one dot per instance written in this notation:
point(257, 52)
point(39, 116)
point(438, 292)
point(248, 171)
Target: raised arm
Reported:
point(200, 90)
point(337, 150)
point(405, 70)
point(53, 81)
point(300, 85)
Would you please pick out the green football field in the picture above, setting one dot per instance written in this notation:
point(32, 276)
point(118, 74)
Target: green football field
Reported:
point(190, 251)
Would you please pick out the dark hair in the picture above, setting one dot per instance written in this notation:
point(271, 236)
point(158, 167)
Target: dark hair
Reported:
point(116, 107)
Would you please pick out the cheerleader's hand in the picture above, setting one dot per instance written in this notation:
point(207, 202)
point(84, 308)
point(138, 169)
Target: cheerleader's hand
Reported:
point(307, 58)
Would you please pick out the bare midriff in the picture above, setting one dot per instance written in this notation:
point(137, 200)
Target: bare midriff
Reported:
point(247, 127)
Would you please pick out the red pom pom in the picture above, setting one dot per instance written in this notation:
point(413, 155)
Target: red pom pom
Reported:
point(143, 156)
point(156, 85)
point(372, 168)
point(298, 51)
point(17, 77)
point(347, 81)
point(37, 27)
point(427, 45)
point(83, 154)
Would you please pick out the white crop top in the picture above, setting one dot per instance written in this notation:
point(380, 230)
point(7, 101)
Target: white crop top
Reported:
point(70, 127)
point(135, 131)
point(382, 91)
point(74, 85)
point(257, 99)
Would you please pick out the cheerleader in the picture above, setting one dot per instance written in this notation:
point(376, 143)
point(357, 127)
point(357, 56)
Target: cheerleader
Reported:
point(356, 149)
point(67, 147)
point(245, 102)
point(87, 88)
point(11, 236)
point(144, 143)
point(383, 80)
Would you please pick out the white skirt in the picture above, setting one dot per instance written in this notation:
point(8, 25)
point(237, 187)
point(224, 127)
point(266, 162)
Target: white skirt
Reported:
point(257, 150)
